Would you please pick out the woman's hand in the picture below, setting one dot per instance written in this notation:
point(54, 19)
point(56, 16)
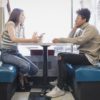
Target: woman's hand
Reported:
point(36, 38)
point(41, 37)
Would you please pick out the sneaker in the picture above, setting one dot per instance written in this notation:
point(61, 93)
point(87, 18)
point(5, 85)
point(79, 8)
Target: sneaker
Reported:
point(55, 92)
point(54, 83)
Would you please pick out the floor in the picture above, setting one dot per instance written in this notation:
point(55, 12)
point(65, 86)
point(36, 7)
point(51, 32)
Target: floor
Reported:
point(29, 96)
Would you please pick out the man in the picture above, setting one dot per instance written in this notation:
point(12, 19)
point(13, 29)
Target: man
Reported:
point(88, 40)
point(3, 4)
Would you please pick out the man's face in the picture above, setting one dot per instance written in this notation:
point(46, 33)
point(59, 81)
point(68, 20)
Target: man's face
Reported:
point(79, 21)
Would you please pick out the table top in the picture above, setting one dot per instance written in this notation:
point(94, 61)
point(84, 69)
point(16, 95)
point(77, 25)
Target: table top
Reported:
point(31, 45)
point(46, 44)
point(58, 47)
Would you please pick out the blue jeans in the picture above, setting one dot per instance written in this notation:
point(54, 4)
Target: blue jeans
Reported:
point(24, 65)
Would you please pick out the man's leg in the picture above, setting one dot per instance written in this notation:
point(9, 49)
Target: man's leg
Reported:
point(69, 58)
point(63, 77)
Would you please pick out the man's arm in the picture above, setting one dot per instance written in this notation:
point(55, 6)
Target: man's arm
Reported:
point(85, 37)
point(79, 40)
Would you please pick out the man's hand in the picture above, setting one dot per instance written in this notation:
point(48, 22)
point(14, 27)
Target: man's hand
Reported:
point(75, 27)
point(56, 40)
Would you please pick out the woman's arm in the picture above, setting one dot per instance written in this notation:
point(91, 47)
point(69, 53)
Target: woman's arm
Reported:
point(11, 32)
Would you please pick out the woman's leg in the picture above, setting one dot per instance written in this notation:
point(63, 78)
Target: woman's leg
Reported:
point(33, 68)
point(33, 71)
point(21, 64)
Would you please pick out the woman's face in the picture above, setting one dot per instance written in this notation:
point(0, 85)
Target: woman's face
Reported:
point(21, 18)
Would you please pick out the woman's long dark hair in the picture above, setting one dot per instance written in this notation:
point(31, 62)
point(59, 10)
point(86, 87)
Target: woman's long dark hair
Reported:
point(15, 18)
point(15, 15)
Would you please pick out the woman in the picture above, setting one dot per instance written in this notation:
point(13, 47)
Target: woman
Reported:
point(10, 39)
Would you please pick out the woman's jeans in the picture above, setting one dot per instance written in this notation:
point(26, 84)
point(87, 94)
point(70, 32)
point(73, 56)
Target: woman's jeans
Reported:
point(24, 65)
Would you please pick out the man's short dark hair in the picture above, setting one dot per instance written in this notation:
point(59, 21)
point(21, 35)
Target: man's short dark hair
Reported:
point(84, 13)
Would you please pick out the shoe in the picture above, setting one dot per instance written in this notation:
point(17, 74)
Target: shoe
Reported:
point(54, 83)
point(28, 85)
point(55, 92)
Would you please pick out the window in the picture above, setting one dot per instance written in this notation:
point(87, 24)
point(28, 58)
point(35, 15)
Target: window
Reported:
point(53, 17)
point(45, 16)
